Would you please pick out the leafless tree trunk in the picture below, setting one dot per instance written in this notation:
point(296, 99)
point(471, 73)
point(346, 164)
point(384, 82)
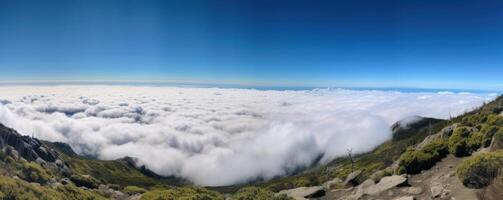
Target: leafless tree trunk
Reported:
point(350, 156)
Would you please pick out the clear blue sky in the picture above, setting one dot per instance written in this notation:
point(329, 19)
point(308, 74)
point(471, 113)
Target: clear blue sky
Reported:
point(409, 43)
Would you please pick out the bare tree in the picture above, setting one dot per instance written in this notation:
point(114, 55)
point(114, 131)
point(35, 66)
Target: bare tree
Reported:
point(429, 127)
point(350, 156)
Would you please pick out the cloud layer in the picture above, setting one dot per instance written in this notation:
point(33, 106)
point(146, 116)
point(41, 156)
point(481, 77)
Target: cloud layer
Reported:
point(217, 136)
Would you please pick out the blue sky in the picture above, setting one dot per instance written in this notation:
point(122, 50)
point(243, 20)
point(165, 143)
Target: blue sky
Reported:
point(409, 43)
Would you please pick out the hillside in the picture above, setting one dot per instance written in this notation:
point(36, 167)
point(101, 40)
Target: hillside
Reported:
point(423, 153)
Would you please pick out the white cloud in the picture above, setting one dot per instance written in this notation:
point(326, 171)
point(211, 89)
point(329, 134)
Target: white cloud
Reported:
point(217, 136)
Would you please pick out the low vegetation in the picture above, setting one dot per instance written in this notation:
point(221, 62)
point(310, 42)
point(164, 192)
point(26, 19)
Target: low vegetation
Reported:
point(132, 190)
point(85, 181)
point(255, 193)
point(465, 140)
point(480, 170)
point(498, 140)
point(18, 189)
point(182, 193)
point(414, 161)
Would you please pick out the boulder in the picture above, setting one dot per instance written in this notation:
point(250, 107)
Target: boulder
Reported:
point(330, 184)
point(353, 179)
point(360, 190)
point(386, 183)
point(412, 190)
point(65, 181)
point(405, 198)
point(438, 190)
point(303, 193)
point(134, 197)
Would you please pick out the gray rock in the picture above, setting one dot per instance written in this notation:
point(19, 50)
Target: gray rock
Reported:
point(330, 184)
point(353, 178)
point(65, 181)
point(303, 193)
point(405, 198)
point(386, 183)
point(436, 190)
point(59, 163)
point(40, 161)
point(134, 197)
point(412, 190)
point(12, 152)
point(360, 190)
point(26, 147)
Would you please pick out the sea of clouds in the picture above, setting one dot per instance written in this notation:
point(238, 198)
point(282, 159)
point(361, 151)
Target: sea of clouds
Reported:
point(214, 136)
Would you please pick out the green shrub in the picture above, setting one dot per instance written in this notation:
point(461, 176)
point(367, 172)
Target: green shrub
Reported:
point(254, 193)
point(84, 181)
point(458, 142)
point(131, 190)
point(475, 141)
point(479, 170)
point(495, 120)
point(437, 148)
point(183, 193)
point(414, 161)
point(3, 155)
point(33, 172)
point(488, 131)
point(498, 140)
point(475, 119)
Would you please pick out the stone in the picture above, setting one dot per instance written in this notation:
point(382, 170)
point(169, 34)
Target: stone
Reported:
point(353, 178)
point(135, 197)
point(40, 161)
point(13, 153)
point(65, 181)
point(59, 163)
point(436, 190)
point(330, 184)
point(412, 190)
point(303, 193)
point(360, 190)
point(405, 198)
point(386, 183)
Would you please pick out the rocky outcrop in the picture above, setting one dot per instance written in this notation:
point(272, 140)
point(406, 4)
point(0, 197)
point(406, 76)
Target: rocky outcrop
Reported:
point(24, 146)
point(444, 133)
point(30, 149)
point(303, 193)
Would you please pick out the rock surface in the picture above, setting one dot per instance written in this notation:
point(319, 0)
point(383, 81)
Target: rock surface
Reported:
point(330, 184)
point(30, 149)
point(405, 198)
point(303, 193)
point(353, 178)
point(26, 147)
point(386, 183)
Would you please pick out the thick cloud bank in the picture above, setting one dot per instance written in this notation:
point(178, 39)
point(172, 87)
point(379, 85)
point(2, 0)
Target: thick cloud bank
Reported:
point(218, 136)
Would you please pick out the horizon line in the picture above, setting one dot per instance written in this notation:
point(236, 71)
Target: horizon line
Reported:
point(133, 82)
